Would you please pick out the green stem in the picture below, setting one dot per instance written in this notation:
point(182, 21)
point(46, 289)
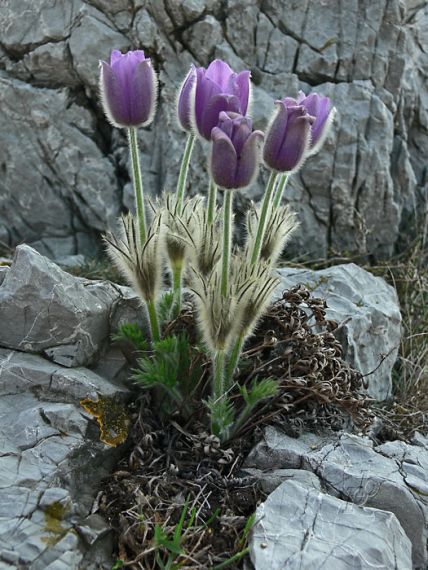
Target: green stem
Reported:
point(182, 177)
point(137, 180)
point(176, 288)
point(280, 191)
point(262, 221)
point(227, 240)
point(241, 419)
point(218, 374)
point(233, 359)
point(212, 200)
point(154, 322)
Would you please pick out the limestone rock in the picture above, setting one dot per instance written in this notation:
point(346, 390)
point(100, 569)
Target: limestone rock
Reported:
point(391, 477)
point(68, 319)
point(51, 460)
point(367, 311)
point(299, 529)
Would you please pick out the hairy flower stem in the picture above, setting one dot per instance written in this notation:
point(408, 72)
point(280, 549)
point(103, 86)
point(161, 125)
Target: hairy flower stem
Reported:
point(212, 200)
point(176, 288)
point(154, 322)
point(184, 168)
point(234, 356)
point(263, 214)
point(218, 374)
point(227, 241)
point(137, 180)
point(280, 191)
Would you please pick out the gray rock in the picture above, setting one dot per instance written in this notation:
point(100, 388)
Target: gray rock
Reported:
point(367, 311)
point(300, 529)
point(45, 310)
point(51, 461)
point(391, 477)
point(62, 178)
point(270, 480)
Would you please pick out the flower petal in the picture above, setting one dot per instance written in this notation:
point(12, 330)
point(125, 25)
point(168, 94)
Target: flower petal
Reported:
point(223, 162)
point(219, 72)
point(242, 89)
point(249, 160)
point(185, 100)
point(212, 110)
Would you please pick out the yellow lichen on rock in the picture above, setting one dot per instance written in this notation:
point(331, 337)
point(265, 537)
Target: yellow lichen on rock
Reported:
point(111, 417)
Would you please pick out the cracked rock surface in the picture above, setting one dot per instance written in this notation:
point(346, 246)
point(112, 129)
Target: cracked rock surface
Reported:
point(388, 478)
point(51, 462)
point(367, 311)
point(302, 528)
point(65, 172)
point(47, 311)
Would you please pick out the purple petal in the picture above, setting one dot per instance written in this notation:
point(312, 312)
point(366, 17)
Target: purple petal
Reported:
point(115, 55)
point(242, 129)
point(142, 96)
point(249, 160)
point(242, 90)
point(219, 72)
point(223, 163)
point(275, 135)
point(185, 103)
point(205, 89)
point(111, 94)
point(212, 110)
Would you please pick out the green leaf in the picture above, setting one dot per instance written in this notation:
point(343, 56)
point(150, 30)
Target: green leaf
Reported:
point(131, 332)
point(118, 564)
point(260, 390)
point(165, 306)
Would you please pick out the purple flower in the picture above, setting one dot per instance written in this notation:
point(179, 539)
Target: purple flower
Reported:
point(128, 88)
point(235, 151)
point(320, 108)
point(288, 137)
point(184, 102)
point(218, 89)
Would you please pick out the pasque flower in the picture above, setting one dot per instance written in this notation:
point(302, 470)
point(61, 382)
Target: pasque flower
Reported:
point(128, 86)
point(321, 109)
point(218, 88)
point(235, 152)
point(288, 137)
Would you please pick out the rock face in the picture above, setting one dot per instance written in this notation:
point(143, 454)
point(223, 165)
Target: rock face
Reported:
point(389, 478)
point(65, 172)
point(367, 311)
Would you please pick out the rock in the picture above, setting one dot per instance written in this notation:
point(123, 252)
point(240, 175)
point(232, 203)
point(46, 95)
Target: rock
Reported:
point(62, 179)
point(367, 311)
point(270, 480)
point(45, 310)
point(300, 529)
point(391, 477)
point(51, 461)
point(68, 319)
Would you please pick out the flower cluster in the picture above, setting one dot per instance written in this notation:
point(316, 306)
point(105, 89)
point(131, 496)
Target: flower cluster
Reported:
point(192, 237)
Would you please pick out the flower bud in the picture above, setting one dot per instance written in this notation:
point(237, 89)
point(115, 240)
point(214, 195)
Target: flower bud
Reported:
point(185, 99)
point(288, 137)
point(218, 88)
point(235, 154)
point(128, 87)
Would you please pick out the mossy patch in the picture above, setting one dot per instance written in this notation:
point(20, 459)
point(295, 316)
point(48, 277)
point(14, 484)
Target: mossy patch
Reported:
point(54, 516)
